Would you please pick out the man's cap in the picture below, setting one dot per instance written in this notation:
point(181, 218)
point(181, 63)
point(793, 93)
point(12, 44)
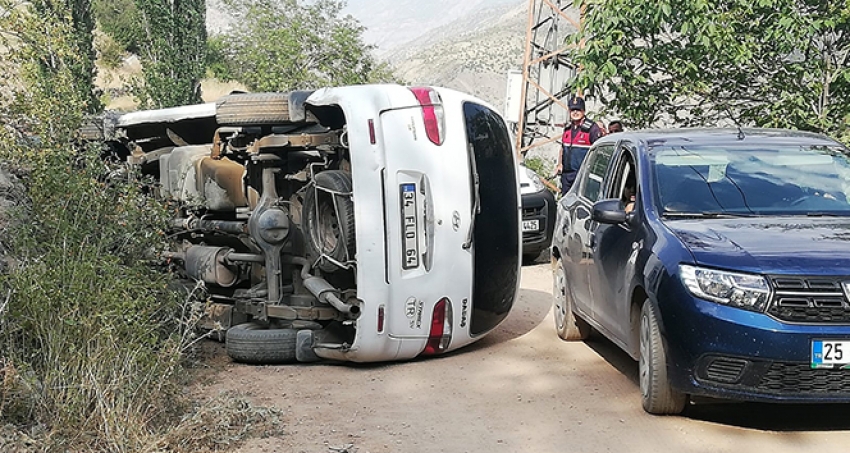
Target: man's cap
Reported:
point(576, 103)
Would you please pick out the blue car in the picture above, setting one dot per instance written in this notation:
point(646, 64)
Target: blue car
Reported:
point(719, 259)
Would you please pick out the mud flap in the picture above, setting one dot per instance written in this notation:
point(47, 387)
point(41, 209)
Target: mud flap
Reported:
point(297, 110)
point(304, 347)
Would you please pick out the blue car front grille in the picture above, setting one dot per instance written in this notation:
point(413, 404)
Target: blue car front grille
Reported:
point(800, 378)
point(809, 300)
point(791, 379)
point(726, 370)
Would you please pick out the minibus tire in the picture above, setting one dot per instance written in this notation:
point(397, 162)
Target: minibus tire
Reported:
point(256, 344)
point(319, 217)
point(252, 109)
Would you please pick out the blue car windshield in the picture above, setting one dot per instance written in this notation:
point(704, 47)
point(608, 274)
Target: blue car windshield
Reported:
point(752, 180)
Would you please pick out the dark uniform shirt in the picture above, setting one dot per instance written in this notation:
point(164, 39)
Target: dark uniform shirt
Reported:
point(577, 140)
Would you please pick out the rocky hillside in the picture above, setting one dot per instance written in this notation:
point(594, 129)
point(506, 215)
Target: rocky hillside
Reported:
point(471, 54)
point(391, 24)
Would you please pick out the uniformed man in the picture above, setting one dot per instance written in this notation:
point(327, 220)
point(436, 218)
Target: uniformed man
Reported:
point(579, 134)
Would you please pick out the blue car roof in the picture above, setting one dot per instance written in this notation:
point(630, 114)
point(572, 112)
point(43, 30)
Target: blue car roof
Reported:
point(717, 136)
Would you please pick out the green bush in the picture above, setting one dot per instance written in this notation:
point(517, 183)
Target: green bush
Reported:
point(288, 45)
point(121, 20)
point(545, 169)
point(92, 337)
point(93, 342)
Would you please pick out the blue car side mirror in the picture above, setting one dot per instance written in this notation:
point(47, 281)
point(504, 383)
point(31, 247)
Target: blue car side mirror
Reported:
point(610, 211)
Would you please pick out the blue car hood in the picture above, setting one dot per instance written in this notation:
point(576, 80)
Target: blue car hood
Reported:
point(780, 245)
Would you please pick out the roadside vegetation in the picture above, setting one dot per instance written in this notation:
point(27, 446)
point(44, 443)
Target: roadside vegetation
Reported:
point(545, 169)
point(285, 45)
point(170, 40)
point(766, 63)
point(90, 337)
point(97, 340)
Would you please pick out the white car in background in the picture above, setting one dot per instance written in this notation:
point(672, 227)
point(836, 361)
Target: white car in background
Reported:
point(538, 214)
point(361, 223)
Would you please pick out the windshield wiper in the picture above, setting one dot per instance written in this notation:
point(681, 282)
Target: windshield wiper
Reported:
point(476, 205)
point(707, 214)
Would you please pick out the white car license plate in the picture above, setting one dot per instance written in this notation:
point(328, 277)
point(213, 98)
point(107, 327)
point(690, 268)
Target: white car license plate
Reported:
point(409, 226)
point(530, 225)
point(828, 353)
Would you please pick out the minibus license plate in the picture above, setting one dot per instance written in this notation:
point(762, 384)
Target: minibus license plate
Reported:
point(409, 227)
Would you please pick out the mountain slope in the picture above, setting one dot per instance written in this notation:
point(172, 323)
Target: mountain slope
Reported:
point(393, 23)
point(472, 54)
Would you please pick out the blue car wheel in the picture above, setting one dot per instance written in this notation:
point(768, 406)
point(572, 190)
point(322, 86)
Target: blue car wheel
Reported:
point(569, 326)
point(657, 396)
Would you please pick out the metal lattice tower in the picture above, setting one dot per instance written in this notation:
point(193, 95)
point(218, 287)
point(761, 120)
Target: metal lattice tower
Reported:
point(546, 73)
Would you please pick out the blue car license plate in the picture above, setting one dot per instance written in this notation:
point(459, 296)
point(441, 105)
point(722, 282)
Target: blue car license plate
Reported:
point(830, 354)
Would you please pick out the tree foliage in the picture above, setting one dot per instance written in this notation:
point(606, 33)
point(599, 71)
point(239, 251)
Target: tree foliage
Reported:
point(88, 351)
point(120, 19)
point(281, 45)
point(173, 52)
point(779, 63)
point(48, 51)
point(92, 335)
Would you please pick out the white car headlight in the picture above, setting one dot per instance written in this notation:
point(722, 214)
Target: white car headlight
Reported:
point(534, 180)
point(747, 291)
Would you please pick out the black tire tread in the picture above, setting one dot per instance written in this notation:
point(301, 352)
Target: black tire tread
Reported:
point(338, 181)
point(253, 344)
point(661, 399)
point(253, 109)
point(574, 328)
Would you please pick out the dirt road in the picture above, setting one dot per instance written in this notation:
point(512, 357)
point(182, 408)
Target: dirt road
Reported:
point(521, 389)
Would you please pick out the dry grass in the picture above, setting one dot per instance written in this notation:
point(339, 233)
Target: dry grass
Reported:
point(13, 440)
point(212, 89)
point(122, 104)
point(116, 82)
point(119, 77)
point(222, 423)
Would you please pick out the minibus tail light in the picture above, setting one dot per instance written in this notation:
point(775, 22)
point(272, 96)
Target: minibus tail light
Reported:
point(441, 329)
point(432, 113)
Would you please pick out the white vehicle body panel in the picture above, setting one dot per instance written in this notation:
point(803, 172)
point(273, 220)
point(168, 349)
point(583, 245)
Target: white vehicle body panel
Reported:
point(169, 115)
point(403, 153)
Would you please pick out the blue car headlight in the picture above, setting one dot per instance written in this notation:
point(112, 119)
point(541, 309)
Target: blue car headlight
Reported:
point(747, 291)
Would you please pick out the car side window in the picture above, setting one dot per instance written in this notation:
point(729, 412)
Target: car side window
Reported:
point(624, 179)
point(597, 166)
